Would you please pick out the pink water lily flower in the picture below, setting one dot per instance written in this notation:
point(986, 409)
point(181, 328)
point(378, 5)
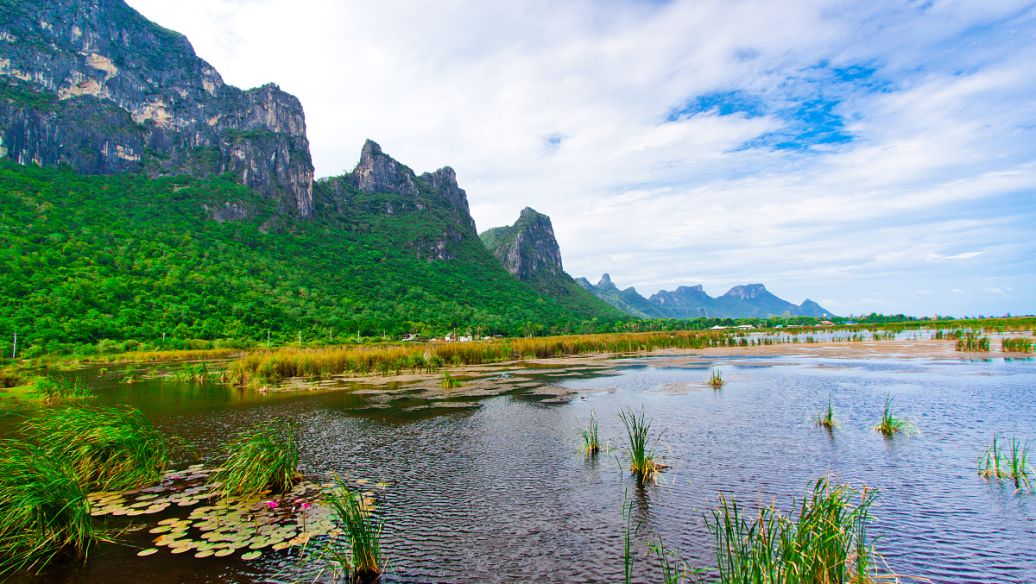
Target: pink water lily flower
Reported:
point(306, 506)
point(271, 504)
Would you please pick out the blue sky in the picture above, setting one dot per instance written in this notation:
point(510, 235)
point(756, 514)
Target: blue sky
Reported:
point(872, 156)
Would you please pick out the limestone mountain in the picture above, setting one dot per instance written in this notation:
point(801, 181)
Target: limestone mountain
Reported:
point(747, 301)
point(529, 250)
point(629, 300)
point(93, 84)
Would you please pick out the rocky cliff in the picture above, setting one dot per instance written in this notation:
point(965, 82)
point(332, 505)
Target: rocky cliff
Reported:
point(529, 250)
point(747, 301)
point(93, 84)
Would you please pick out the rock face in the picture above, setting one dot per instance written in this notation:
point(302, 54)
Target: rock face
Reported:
point(394, 189)
point(527, 249)
point(747, 301)
point(93, 84)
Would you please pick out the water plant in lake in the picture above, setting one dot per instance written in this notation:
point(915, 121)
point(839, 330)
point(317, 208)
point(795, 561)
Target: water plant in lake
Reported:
point(716, 379)
point(54, 390)
point(972, 342)
point(448, 381)
point(590, 435)
point(890, 424)
point(1012, 465)
point(642, 454)
point(44, 510)
point(1017, 345)
point(826, 542)
point(104, 447)
point(264, 456)
point(364, 560)
point(826, 417)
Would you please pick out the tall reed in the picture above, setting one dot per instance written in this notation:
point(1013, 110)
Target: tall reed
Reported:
point(1012, 465)
point(1017, 345)
point(972, 342)
point(643, 463)
point(44, 510)
point(364, 561)
point(55, 390)
point(826, 417)
point(105, 448)
point(716, 379)
point(825, 542)
point(891, 425)
point(591, 437)
point(261, 457)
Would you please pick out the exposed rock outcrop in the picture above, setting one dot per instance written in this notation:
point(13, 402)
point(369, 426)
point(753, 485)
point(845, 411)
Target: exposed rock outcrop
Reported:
point(93, 84)
point(527, 249)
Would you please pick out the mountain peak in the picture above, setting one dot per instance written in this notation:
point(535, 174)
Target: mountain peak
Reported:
point(378, 172)
point(746, 291)
point(606, 282)
point(528, 249)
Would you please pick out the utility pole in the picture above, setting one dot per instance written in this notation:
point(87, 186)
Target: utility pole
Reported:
point(300, 338)
point(14, 346)
point(267, 338)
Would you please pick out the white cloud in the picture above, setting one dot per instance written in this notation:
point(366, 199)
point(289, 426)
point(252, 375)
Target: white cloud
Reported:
point(934, 192)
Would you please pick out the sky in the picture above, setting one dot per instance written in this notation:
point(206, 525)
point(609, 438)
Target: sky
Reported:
point(872, 156)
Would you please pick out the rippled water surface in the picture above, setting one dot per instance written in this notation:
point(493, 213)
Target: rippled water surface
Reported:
point(500, 493)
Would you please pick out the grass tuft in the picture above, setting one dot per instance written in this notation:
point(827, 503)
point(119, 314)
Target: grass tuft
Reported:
point(1012, 464)
point(891, 425)
point(364, 562)
point(826, 542)
point(1017, 345)
point(105, 448)
point(263, 457)
point(972, 342)
point(716, 379)
point(826, 417)
point(56, 390)
point(642, 454)
point(44, 510)
point(448, 381)
point(591, 439)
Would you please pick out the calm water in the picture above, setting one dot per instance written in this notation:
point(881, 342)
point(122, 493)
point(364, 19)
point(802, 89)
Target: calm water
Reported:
point(499, 493)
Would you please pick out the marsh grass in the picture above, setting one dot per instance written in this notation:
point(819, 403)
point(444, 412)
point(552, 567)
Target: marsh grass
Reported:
point(448, 381)
point(1012, 464)
point(630, 530)
point(54, 390)
point(643, 463)
point(825, 418)
point(364, 560)
point(716, 379)
point(44, 510)
point(591, 437)
point(262, 457)
point(105, 448)
point(826, 542)
point(1017, 345)
point(890, 425)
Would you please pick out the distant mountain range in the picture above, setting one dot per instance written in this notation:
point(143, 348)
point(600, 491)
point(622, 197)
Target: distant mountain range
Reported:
point(747, 301)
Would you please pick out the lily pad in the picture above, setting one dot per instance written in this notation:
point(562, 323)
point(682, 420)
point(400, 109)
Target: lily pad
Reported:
point(147, 552)
point(251, 555)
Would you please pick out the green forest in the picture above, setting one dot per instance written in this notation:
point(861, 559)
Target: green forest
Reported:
point(111, 263)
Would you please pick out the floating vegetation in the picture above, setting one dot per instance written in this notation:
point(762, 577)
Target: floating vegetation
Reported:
point(826, 542)
point(591, 439)
point(1017, 345)
point(642, 454)
point(972, 342)
point(44, 511)
point(716, 379)
point(448, 381)
point(826, 417)
point(105, 448)
point(364, 561)
point(891, 425)
point(1012, 465)
point(55, 390)
point(192, 373)
point(263, 457)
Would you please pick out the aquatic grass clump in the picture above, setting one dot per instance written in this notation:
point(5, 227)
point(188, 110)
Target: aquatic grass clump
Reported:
point(364, 559)
point(826, 417)
point(641, 452)
point(973, 343)
point(716, 379)
point(55, 390)
point(448, 381)
point(891, 425)
point(1012, 465)
point(591, 438)
point(259, 458)
point(105, 448)
point(1017, 345)
point(826, 542)
point(44, 510)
